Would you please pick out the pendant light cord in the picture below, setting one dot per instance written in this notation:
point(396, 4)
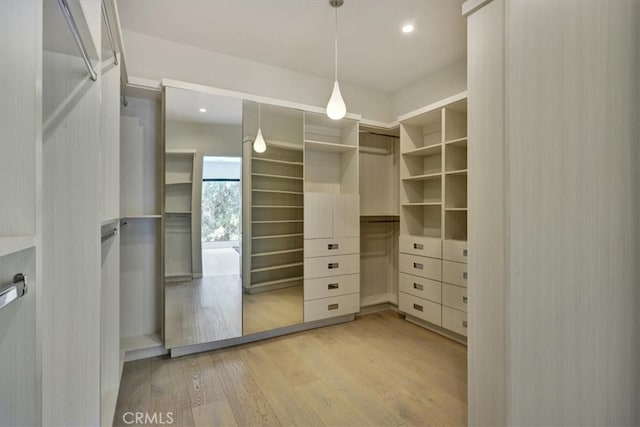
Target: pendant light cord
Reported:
point(336, 47)
point(259, 120)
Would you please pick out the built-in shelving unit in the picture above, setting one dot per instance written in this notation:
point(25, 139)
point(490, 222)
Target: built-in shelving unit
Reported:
point(433, 217)
point(274, 199)
point(178, 221)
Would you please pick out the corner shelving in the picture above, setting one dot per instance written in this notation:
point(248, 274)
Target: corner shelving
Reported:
point(13, 244)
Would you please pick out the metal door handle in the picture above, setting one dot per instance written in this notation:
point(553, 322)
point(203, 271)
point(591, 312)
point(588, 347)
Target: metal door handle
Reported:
point(418, 307)
point(418, 266)
point(17, 290)
point(418, 286)
point(419, 246)
point(333, 306)
point(333, 286)
point(331, 246)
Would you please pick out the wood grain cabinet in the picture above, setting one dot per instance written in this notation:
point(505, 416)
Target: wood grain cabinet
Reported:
point(433, 216)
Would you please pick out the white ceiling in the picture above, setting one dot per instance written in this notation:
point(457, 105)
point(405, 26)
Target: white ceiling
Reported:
point(298, 34)
point(184, 106)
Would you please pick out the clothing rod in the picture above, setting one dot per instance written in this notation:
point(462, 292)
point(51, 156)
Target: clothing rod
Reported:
point(17, 290)
point(378, 134)
point(379, 221)
point(123, 95)
point(64, 7)
point(107, 22)
point(108, 235)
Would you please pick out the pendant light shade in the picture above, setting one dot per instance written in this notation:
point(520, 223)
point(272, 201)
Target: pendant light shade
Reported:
point(336, 108)
point(259, 145)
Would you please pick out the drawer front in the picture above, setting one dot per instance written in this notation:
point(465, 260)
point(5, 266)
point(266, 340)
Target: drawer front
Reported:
point(420, 308)
point(423, 246)
point(454, 273)
point(420, 287)
point(325, 308)
point(454, 320)
point(325, 287)
point(327, 266)
point(430, 268)
point(454, 250)
point(454, 297)
point(329, 247)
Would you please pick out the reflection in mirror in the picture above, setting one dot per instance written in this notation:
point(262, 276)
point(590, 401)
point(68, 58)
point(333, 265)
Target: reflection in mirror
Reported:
point(202, 211)
point(272, 219)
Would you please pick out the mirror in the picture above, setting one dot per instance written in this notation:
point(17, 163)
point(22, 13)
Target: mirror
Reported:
point(273, 218)
point(202, 218)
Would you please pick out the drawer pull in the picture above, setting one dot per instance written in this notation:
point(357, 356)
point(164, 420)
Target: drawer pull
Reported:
point(464, 252)
point(464, 300)
point(418, 266)
point(417, 307)
point(333, 286)
point(333, 265)
point(418, 286)
point(333, 306)
point(464, 323)
point(419, 246)
point(331, 246)
point(464, 275)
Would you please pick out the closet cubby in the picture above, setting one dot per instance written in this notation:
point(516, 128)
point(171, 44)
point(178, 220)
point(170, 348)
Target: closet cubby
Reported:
point(455, 121)
point(456, 225)
point(379, 171)
point(274, 205)
point(421, 221)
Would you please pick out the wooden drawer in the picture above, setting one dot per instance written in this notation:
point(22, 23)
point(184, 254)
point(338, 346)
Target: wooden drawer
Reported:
point(420, 287)
point(420, 308)
point(327, 266)
point(454, 297)
point(454, 250)
point(430, 268)
point(325, 308)
point(454, 320)
point(331, 286)
point(423, 246)
point(454, 273)
point(329, 247)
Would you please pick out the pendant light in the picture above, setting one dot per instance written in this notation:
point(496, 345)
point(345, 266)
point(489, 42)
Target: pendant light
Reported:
point(336, 108)
point(259, 146)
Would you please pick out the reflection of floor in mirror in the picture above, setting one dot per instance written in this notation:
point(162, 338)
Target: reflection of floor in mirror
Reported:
point(273, 309)
point(220, 261)
point(203, 310)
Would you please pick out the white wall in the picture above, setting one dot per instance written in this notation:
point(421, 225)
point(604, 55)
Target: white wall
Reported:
point(445, 82)
point(155, 58)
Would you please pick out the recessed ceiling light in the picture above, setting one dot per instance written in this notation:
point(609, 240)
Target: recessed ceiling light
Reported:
point(407, 28)
point(203, 110)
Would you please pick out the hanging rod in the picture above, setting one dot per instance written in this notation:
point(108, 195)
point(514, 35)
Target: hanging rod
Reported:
point(17, 290)
point(107, 22)
point(378, 221)
point(378, 134)
point(64, 7)
point(108, 235)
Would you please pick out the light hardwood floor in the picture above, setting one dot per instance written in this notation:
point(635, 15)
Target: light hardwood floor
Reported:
point(375, 371)
point(270, 310)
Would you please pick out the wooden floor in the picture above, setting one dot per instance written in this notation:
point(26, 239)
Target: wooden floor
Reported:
point(271, 310)
point(378, 370)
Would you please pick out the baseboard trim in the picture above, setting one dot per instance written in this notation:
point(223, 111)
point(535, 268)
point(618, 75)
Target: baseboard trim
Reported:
point(437, 329)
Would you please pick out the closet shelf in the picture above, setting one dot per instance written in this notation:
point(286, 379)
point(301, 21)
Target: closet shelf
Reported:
point(280, 162)
point(178, 275)
point(426, 177)
point(429, 150)
point(460, 142)
point(141, 216)
point(277, 267)
point(285, 251)
point(188, 182)
point(177, 212)
point(372, 150)
point(109, 221)
point(267, 175)
point(277, 207)
point(457, 172)
point(280, 221)
point(328, 146)
point(10, 245)
point(432, 203)
point(283, 144)
point(256, 190)
point(456, 209)
point(276, 282)
point(277, 236)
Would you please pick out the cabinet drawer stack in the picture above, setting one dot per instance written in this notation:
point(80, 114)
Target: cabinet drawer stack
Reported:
point(454, 287)
point(420, 278)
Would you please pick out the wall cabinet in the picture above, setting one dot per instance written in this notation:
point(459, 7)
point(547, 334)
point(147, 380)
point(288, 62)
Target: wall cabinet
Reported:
point(433, 215)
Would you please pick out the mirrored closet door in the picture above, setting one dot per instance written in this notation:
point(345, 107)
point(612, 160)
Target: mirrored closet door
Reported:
point(202, 218)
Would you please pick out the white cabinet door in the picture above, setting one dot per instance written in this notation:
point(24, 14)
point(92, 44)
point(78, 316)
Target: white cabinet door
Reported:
point(318, 215)
point(346, 215)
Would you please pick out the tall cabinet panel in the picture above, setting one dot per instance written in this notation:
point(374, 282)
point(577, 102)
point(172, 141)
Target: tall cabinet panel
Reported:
point(20, 250)
point(331, 226)
point(433, 216)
